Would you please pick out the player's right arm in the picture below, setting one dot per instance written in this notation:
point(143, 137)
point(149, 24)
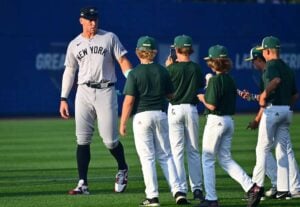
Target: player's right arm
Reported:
point(67, 83)
point(255, 123)
point(126, 111)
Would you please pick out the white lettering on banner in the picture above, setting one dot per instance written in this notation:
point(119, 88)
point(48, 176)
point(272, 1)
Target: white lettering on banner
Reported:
point(241, 64)
point(50, 61)
point(292, 59)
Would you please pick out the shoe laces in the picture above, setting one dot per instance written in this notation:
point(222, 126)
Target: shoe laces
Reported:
point(121, 176)
point(81, 186)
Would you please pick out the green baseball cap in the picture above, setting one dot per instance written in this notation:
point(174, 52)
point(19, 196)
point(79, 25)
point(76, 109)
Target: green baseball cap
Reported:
point(269, 42)
point(254, 53)
point(217, 51)
point(146, 43)
point(183, 41)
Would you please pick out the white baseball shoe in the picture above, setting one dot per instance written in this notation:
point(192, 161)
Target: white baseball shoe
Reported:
point(121, 181)
point(81, 189)
point(150, 202)
point(271, 193)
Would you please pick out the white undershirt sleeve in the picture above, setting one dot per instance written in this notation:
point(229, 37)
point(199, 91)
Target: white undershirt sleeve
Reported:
point(67, 81)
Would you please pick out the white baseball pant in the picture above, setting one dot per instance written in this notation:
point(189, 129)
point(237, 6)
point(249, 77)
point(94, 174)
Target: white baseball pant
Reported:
point(184, 134)
point(151, 139)
point(217, 138)
point(273, 129)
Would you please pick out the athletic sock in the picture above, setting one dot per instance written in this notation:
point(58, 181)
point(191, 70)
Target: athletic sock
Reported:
point(83, 159)
point(118, 153)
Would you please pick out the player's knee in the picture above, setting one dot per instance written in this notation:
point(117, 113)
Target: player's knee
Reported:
point(224, 160)
point(83, 140)
point(111, 145)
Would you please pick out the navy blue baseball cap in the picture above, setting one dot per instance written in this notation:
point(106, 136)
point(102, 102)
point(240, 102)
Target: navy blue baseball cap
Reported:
point(90, 13)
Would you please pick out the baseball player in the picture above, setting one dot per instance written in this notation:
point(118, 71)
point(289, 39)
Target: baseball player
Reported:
point(93, 53)
point(275, 115)
point(183, 118)
point(259, 63)
point(145, 91)
point(219, 101)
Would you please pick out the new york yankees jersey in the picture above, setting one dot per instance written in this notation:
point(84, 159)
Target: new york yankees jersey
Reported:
point(95, 57)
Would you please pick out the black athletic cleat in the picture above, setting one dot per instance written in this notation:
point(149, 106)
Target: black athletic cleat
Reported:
point(254, 195)
point(283, 195)
point(150, 202)
point(208, 203)
point(198, 195)
point(180, 198)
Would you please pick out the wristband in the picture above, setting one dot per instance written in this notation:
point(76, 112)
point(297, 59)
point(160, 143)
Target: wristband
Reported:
point(127, 72)
point(63, 99)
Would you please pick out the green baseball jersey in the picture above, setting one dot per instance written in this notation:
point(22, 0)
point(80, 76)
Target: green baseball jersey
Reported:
point(286, 89)
point(149, 84)
point(187, 79)
point(221, 92)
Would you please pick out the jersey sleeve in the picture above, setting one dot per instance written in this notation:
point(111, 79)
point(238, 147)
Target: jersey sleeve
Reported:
point(169, 88)
point(130, 87)
point(70, 60)
point(271, 73)
point(211, 92)
point(118, 48)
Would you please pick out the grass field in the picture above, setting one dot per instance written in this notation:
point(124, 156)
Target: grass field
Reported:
point(37, 167)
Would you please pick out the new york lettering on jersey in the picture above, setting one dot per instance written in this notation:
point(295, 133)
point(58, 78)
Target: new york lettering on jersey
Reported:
point(93, 49)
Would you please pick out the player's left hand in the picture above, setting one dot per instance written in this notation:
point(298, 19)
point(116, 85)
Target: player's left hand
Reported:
point(262, 99)
point(64, 110)
point(169, 61)
point(253, 125)
point(122, 130)
point(201, 97)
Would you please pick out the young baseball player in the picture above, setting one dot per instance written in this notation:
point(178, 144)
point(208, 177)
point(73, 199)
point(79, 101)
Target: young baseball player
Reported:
point(93, 53)
point(259, 63)
point(183, 117)
point(219, 101)
point(146, 89)
point(275, 115)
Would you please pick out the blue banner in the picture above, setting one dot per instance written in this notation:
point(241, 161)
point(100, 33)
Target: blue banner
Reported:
point(35, 38)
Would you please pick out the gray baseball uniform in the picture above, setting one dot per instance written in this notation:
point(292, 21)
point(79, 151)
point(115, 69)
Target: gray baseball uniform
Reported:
point(95, 60)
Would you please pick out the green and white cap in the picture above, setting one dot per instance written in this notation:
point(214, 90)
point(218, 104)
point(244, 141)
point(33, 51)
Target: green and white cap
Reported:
point(269, 42)
point(183, 41)
point(254, 53)
point(146, 43)
point(217, 51)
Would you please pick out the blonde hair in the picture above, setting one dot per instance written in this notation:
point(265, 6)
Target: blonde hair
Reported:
point(146, 54)
point(220, 64)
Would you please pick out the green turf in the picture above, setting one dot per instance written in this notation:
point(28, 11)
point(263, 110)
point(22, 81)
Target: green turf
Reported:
point(37, 167)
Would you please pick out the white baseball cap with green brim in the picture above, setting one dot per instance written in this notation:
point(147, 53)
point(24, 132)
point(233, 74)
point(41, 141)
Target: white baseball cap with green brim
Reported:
point(269, 42)
point(217, 51)
point(254, 53)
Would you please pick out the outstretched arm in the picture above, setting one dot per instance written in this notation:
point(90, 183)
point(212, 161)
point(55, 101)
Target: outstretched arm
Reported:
point(270, 87)
point(125, 65)
point(207, 105)
point(126, 111)
point(255, 123)
point(67, 83)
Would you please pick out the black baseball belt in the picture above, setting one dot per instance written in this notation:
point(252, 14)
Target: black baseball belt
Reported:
point(100, 85)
